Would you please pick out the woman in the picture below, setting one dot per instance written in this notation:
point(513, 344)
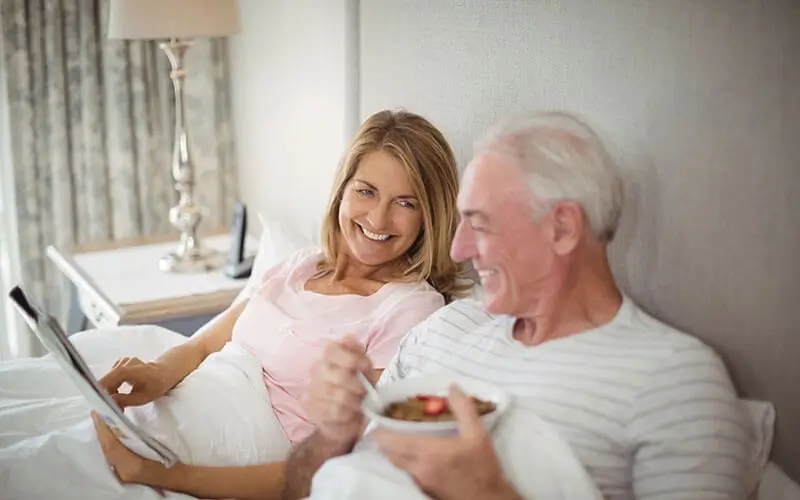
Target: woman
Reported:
point(384, 266)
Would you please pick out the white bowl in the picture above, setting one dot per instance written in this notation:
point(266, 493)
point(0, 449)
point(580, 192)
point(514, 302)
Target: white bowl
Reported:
point(434, 386)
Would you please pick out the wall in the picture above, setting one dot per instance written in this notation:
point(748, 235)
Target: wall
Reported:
point(293, 75)
point(700, 101)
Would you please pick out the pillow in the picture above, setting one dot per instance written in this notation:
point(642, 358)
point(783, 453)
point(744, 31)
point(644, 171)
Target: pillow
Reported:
point(776, 485)
point(277, 244)
point(762, 417)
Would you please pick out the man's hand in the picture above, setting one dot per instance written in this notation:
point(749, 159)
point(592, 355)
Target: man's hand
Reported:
point(333, 400)
point(461, 467)
point(334, 393)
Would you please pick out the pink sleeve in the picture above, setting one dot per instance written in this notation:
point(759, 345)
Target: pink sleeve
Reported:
point(393, 327)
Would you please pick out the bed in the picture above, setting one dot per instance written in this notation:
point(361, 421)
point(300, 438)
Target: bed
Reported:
point(102, 346)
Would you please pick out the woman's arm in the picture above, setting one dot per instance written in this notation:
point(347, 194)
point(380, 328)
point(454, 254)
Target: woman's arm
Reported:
point(180, 361)
point(263, 481)
point(149, 381)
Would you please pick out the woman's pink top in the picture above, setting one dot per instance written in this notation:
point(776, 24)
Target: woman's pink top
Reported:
point(287, 328)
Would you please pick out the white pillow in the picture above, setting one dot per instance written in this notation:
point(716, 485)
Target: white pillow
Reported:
point(776, 485)
point(762, 417)
point(278, 243)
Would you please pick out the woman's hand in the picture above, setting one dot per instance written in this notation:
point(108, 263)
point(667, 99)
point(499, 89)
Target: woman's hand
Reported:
point(125, 464)
point(334, 393)
point(147, 381)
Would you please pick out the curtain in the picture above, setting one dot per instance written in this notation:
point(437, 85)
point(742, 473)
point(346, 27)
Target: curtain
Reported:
point(91, 129)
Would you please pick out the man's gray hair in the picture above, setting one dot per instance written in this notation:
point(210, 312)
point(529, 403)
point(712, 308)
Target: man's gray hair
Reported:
point(562, 158)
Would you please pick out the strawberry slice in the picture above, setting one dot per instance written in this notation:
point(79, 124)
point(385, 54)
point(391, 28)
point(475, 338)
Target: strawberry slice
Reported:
point(434, 406)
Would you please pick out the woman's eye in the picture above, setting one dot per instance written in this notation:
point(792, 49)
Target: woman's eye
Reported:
point(407, 204)
point(365, 192)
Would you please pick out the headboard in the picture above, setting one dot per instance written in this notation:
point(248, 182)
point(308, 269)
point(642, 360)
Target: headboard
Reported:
point(699, 101)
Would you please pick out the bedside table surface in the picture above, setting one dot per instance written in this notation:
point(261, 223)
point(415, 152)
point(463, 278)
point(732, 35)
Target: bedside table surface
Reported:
point(131, 275)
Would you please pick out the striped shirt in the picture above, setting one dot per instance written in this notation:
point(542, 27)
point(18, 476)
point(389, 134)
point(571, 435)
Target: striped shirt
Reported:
point(649, 411)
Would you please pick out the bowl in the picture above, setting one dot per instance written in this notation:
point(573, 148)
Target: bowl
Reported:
point(403, 389)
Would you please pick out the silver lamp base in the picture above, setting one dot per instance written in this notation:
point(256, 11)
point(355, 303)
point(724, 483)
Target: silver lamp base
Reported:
point(190, 256)
point(198, 261)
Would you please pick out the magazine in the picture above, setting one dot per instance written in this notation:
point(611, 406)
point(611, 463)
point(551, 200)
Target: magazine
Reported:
point(55, 340)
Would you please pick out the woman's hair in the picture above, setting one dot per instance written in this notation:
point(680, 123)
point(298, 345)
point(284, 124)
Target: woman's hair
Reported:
point(423, 151)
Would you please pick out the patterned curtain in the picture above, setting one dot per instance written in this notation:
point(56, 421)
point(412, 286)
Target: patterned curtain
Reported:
point(92, 128)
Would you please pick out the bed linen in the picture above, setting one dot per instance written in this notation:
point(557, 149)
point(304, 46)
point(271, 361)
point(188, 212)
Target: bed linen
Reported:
point(37, 400)
point(219, 415)
point(535, 459)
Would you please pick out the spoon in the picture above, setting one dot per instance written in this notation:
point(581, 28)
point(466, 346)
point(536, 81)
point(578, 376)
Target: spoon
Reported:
point(371, 392)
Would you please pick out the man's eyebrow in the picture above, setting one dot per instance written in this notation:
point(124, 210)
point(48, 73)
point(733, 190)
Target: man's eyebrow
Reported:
point(475, 214)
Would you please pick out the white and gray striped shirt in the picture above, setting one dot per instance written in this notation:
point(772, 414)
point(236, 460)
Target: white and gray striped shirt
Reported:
point(650, 411)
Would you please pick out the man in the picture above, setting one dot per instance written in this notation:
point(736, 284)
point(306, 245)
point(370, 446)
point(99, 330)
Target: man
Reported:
point(649, 411)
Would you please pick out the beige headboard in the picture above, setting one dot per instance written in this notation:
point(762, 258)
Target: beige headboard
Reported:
point(699, 100)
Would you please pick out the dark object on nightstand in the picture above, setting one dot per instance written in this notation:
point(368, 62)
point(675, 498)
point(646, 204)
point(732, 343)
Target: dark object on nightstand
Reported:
point(237, 266)
point(241, 270)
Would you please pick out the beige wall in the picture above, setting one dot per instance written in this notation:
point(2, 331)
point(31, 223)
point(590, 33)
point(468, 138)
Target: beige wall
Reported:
point(294, 103)
point(701, 101)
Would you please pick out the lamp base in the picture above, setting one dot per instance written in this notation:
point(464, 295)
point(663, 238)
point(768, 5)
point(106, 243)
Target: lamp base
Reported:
point(200, 260)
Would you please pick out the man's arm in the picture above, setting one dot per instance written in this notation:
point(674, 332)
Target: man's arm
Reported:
point(307, 457)
point(334, 405)
point(305, 460)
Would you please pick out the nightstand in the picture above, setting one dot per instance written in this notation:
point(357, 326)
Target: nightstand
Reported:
point(121, 284)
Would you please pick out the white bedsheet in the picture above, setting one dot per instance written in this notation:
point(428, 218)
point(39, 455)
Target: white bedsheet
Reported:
point(219, 415)
point(536, 460)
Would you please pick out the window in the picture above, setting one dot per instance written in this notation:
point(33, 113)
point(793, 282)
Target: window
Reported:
point(14, 338)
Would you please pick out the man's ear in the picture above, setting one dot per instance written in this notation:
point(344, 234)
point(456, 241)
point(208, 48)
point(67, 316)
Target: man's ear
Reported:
point(568, 223)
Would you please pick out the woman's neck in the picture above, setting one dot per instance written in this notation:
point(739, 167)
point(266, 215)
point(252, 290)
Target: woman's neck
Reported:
point(349, 276)
point(349, 269)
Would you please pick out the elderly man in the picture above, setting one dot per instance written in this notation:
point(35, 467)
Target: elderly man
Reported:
point(649, 411)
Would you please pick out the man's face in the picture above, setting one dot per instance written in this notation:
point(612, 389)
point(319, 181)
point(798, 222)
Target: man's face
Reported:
point(512, 252)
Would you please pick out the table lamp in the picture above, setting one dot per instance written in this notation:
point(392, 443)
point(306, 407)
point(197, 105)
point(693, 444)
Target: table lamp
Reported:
point(178, 21)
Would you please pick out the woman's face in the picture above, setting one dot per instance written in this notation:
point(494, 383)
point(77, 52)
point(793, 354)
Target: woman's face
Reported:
point(380, 216)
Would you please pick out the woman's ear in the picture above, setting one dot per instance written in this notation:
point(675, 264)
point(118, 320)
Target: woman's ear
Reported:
point(568, 221)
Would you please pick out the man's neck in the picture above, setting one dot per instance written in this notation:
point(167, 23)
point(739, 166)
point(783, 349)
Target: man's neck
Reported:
point(585, 299)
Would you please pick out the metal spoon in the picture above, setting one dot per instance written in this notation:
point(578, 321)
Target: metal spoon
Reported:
point(371, 392)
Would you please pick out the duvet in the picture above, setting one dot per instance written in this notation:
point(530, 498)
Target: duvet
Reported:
point(218, 415)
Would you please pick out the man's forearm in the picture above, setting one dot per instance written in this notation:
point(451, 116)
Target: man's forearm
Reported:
point(262, 482)
point(304, 462)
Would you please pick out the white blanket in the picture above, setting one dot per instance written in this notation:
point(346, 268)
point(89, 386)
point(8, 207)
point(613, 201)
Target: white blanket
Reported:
point(536, 460)
point(219, 415)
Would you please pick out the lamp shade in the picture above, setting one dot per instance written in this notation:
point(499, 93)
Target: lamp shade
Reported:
point(160, 19)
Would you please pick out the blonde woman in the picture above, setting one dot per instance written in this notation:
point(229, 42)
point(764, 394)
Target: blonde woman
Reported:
point(384, 266)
